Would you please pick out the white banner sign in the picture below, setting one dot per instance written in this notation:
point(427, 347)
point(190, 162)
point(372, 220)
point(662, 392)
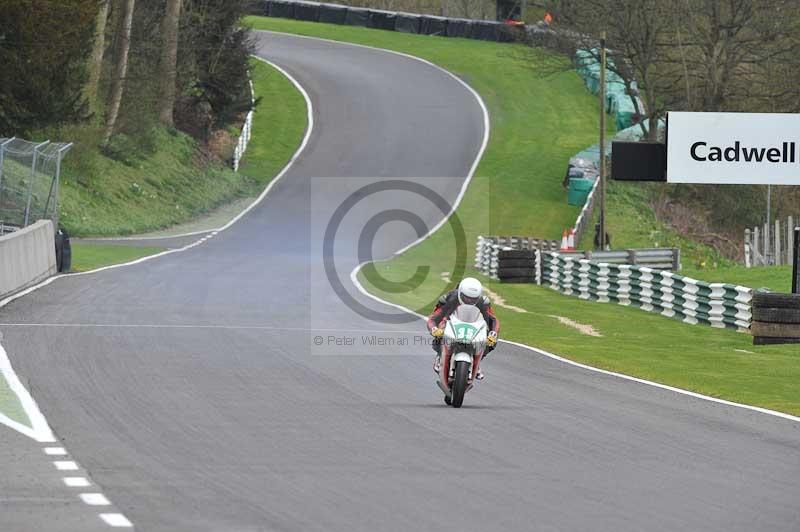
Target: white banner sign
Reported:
point(733, 148)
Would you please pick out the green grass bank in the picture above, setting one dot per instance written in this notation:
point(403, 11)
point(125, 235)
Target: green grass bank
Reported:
point(166, 180)
point(278, 127)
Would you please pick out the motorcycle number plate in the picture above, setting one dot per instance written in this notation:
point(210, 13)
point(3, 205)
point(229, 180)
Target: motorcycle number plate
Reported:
point(465, 332)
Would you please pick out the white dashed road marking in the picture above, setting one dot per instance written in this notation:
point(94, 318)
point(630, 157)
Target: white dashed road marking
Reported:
point(55, 451)
point(116, 520)
point(65, 465)
point(76, 482)
point(95, 499)
point(91, 498)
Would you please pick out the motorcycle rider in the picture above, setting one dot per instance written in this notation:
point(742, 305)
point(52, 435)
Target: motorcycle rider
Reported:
point(469, 292)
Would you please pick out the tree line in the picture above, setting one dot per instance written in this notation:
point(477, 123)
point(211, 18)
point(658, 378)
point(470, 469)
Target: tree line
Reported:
point(122, 67)
point(699, 55)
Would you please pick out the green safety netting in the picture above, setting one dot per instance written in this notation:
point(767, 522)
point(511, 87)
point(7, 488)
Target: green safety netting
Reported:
point(634, 132)
point(614, 89)
point(617, 100)
point(625, 112)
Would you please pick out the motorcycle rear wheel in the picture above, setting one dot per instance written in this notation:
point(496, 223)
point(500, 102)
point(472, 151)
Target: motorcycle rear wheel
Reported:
point(460, 383)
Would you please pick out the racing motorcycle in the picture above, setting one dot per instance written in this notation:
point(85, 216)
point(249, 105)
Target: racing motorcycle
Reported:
point(463, 345)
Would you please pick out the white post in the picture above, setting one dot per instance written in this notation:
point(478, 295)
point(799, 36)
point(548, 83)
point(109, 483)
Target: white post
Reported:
point(777, 242)
point(767, 247)
point(756, 248)
point(790, 241)
point(747, 261)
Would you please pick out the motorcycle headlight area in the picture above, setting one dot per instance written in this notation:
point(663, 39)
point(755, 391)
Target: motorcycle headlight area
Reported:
point(452, 342)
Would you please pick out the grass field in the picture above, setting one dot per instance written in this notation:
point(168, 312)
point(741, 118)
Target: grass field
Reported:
point(774, 278)
point(90, 256)
point(538, 122)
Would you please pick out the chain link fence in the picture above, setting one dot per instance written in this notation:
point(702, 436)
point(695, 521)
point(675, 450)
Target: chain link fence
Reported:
point(29, 182)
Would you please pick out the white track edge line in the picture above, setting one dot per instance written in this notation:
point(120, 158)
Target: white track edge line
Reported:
point(354, 273)
point(547, 354)
point(127, 238)
point(40, 430)
point(481, 150)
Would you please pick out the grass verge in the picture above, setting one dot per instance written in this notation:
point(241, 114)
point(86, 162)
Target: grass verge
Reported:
point(164, 180)
point(89, 256)
point(10, 405)
point(278, 127)
point(538, 122)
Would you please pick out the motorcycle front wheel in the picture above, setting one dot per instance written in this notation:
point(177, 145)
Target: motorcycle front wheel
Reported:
point(460, 383)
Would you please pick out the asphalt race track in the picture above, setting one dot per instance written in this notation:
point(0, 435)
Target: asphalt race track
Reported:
point(192, 391)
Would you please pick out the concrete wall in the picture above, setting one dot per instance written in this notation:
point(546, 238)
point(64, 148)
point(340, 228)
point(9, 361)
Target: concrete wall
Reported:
point(27, 256)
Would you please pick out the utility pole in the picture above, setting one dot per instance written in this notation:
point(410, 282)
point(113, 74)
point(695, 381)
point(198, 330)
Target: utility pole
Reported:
point(769, 255)
point(602, 177)
point(796, 262)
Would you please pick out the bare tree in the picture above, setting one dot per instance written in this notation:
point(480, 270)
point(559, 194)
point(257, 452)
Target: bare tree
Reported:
point(96, 59)
point(637, 36)
point(731, 47)
point(121, 68)
point(169, 58)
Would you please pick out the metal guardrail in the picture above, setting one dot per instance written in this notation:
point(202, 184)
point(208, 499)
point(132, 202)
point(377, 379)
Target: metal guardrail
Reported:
point(666, 293)
point(624, 277)
point(247, 130)
point(656, 258)
point(488, 30)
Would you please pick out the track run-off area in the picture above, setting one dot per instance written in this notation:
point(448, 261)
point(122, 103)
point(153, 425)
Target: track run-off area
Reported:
point(233, 384)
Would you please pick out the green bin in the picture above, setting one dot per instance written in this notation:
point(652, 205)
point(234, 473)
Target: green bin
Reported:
point(579, 189)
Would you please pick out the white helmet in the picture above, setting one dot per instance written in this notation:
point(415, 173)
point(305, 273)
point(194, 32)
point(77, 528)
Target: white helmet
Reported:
point(469, 291)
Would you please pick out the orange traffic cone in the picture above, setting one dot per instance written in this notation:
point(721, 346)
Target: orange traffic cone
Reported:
point(571, 240)
point(564, 241)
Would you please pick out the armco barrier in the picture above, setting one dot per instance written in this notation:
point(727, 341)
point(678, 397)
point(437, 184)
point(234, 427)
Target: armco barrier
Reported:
point(459, 27)
point(281, 9)
point(408, 23)
point(520, 260)
point(381, 20)
point(356, 16)
point(308, 11)
point(27, 256)
point(433, 25)
point(667, 293)
point(332, 13)
point(487, 30)
point(656, 258)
